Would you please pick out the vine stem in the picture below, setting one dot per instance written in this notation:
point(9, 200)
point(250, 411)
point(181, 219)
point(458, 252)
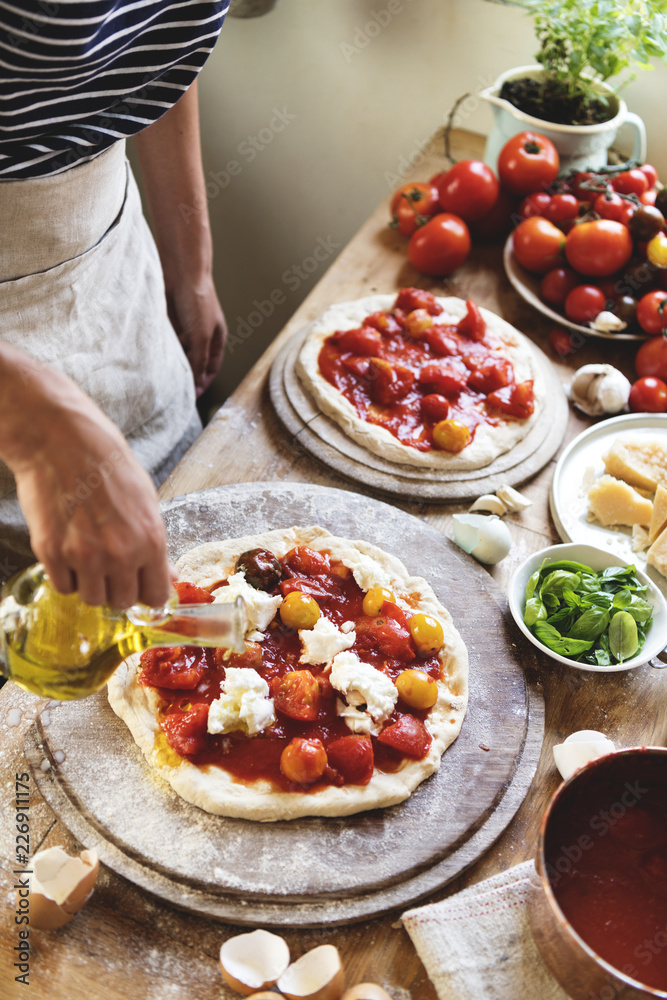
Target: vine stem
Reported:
point(450, 125)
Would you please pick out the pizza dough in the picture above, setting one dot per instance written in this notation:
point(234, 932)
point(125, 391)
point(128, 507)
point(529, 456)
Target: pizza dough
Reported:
point(488, 442)
point(215, 789)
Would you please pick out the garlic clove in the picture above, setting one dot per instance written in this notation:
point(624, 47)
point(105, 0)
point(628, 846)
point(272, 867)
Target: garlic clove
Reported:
point(366, 991)
point(580, 748)
point(254, 961)
point(608, 322)
point(513, 500)
point(491, 503)
point(60, 885)
point(598, 389)
point(485, 537)
point(317, 975)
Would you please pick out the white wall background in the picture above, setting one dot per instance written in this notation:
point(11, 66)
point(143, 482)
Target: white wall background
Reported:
point(310, 112)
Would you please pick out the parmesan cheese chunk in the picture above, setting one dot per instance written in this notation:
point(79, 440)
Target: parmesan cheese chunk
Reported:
point(641, 462)
point(657, 554)
point(260, 606)
point(614, 502)
point(244, 703)
point(364, 688)
point(659, 516)
point(322, 642)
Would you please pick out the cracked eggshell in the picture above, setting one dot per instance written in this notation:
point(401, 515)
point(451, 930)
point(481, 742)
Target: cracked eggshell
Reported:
point(317, 975)
point(366, 991)
point(254, 961)
point(486, 538)
point(59, 886)
point(580, 748)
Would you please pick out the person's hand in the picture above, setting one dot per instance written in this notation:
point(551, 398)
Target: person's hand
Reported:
point(199, 322)
point(91, 509)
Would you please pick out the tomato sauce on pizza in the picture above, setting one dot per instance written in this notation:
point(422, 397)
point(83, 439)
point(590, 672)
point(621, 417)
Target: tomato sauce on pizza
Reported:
point(428, 381)
point(306, 706)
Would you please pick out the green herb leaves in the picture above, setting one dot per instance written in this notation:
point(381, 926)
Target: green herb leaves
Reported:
point(598, 618)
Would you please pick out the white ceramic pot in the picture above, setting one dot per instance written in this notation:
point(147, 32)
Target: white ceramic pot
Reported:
point(580, 147)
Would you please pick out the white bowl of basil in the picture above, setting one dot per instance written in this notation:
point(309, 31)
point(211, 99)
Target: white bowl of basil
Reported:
point(586, 608)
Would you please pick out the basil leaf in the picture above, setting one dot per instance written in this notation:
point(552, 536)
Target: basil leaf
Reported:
point(552, 639)
point(590, 625)
point(569, 565)
point(534, 609)
point(622, 599)
point(602, 658)
point(571, 599)
point(623, 639)
point(640, 609)
point(532, 583)
point(557, 581)
point(563, 620)
point(599, 600)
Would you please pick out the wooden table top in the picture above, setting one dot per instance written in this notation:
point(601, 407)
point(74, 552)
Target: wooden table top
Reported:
point(125, 943)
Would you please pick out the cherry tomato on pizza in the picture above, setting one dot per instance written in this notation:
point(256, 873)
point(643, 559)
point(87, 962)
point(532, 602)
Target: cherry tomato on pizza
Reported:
point(469, 189)
point(412, 205)
point(598, 248)
point(440, 246)
point(648, 395)
point(527, 162)
point(538, 245)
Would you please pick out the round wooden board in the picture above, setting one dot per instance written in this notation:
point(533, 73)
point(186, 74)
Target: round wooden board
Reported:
point(313, 871)
point(322, 438)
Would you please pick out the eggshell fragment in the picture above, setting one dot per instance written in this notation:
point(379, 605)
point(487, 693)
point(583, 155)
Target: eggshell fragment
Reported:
point(580, 748)
point(254, 961)
point(487, 539)
point(59, 886)
point(317, 975)
point(366, 991)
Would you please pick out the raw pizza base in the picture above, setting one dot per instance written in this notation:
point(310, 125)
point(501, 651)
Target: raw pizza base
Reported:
point(215, 790)
point(488, 442)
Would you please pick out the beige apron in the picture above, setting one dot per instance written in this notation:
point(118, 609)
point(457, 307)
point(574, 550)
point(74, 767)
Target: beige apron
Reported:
point(81, 289)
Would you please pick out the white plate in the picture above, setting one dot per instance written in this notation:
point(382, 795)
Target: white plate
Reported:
point(528, 287)
point(579, 465)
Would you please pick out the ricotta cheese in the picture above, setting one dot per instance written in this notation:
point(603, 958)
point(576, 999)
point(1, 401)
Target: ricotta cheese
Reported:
point(260, 606)
point(244, 703)
point(367, 690)
point(322, 642)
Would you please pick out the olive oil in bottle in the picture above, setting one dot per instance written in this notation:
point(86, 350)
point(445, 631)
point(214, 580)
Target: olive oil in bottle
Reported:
point(57, 646)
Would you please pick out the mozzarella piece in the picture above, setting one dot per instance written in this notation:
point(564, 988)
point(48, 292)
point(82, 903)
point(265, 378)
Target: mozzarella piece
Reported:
point(361, 684)
point(244, 703)
point(260, 606)
point(322, 642)
point(580, 748)
point(367, 571)
point(356, 720)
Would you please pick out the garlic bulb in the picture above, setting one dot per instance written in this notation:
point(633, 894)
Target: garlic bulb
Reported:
point(608, 322)
point(598, 389)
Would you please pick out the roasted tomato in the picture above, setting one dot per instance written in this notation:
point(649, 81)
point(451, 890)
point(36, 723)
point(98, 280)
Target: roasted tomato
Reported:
point(385, 634)
point(447, 377)
point(186, 732)
point(389, 383)
point(304, 561)
point(472, 325)
point(408, 735)
point(189, 593)
point(297, 695)
point(516, 400)
point(352, 757)
point(409, 299)
point(173, 667)
point(527, 162)
point(364, 341)
point(491, 374)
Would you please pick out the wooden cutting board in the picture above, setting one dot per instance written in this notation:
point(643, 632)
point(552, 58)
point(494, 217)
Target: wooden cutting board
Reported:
point(309, 871)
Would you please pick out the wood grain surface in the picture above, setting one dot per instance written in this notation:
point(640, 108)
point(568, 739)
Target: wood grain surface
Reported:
point(127, 944)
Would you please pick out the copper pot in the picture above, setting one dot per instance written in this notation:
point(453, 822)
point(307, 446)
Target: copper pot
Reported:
point(582, 973)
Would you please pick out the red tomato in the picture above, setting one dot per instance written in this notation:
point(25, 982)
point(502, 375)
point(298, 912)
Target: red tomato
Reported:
point(385, 634)
point(650, 173)
point(297, 695)
point(412, 205)
point(498, 223)
point(389, 383)
point(190, 593)
point(610, 205)
point(652, 358)
point(447, 378)
point(469, 189)
point(584, 303)
point(352, 757)
point(302, 560)
point(630, 182)
point(556, 284)
point(492, 374)
point(598, 248)
point(516, 400)
point(434, 407)
point(535, 204)
point(408, 735)
point(409, 299)
point(173, 667)
point(580, 185)
point(648, 197)
point(538, 245)
point(652, 314)
point(561, 342)
point(440, 246)
point(472, 325)
point(186, 731)
point(648, 395)
point(365, 341)
point(527, 162)
point(562, 208)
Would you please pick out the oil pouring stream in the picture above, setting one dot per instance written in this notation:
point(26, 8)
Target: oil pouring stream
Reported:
point(56, 646)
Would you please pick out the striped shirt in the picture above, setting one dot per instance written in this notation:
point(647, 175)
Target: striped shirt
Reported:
point(78, 75)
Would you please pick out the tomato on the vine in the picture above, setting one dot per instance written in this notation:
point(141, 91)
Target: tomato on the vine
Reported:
point(538, 245)
point(556, 285)
point(652, 358)
point(584, 303)
point(412, 205)
point(527, 162)
point(630, 182)
point(650, 173)
point(580, 185)
point(598, 248)
point(535, 204)
point(610, 205)
point(440, 246)
point(562, 208)
point(469, 189)
point(648, 395)
point(652, 312)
